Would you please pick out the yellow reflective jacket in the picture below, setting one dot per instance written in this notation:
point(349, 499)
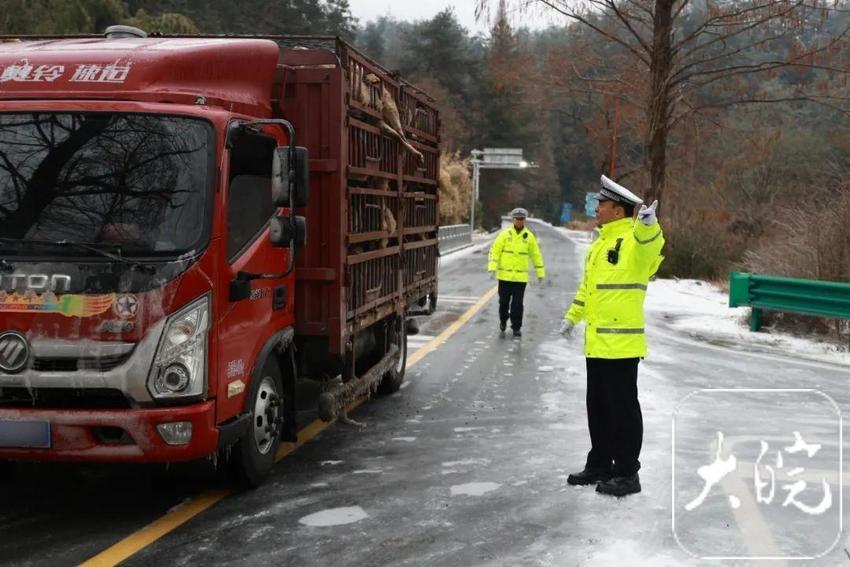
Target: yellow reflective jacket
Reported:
point(510, 253)
point(610, 297)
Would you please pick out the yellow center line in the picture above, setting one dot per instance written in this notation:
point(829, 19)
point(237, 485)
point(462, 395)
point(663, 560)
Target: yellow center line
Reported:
point(432, 345)
point(155, 530)
point(181, 514)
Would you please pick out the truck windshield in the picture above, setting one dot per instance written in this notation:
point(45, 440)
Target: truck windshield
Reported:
point(138, 181)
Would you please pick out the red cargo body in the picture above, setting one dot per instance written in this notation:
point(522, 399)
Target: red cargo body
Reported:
point(354, 271)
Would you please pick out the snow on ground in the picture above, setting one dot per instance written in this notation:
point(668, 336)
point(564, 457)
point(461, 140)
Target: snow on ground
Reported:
point(334, 517)
point(480, 242)
point(630, 552)
point(450, 464)
point(474, 488)
point(699, 310)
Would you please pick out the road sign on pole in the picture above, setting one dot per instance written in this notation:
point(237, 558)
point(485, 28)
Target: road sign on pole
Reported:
point(492, 158)
point(503, 158)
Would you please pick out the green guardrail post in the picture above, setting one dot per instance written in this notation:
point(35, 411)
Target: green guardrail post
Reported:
point(739, 289)
point(828, 299)
point(755, 320)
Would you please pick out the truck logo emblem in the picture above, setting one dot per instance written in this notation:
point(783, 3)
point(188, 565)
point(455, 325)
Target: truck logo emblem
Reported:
point(39, 283)
point(126, 306)
point(14, 352)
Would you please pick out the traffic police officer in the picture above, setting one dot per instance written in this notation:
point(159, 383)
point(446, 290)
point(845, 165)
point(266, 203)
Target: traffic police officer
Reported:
point(508, 262)
point(617, 269)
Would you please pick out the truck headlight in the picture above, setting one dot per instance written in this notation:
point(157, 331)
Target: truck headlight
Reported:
point(179, 368)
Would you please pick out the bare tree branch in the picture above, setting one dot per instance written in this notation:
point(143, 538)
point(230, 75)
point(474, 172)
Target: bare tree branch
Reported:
point(585, 21)
point(738, 102)
point(725, 37)
point(624, 20)
point(739, 70)
point(679, 77)
point(726, 19)
point(642, 7)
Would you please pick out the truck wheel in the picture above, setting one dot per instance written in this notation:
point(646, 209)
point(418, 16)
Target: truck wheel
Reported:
point(253, 456)
point(391, 382)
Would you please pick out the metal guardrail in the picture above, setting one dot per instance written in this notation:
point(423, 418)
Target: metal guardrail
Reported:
point(454, 237)
point(774, 293)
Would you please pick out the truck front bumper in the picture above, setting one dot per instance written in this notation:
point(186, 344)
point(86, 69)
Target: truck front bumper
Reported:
point(123, 435)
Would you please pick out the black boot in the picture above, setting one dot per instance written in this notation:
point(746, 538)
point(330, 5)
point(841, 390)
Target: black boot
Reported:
point(620, 485)
point(502, 327)
point(517, 333)
point(590, 475)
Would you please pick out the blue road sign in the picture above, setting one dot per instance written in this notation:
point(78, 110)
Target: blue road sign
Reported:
point(590, 203)
point(566, 213)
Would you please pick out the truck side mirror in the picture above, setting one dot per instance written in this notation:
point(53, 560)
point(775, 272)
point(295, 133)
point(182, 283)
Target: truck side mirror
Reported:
point(281, 180)
point(283, 231)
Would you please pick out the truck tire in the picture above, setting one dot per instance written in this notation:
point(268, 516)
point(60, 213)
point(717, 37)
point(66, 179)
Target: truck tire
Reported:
point(397, 335)
point(253, 456)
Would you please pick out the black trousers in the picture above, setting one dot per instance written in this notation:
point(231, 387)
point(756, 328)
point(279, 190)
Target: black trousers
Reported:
point(613, 415)
point(511, 296)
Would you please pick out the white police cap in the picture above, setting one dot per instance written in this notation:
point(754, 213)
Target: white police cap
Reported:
point(519, 213)
point(612, 191)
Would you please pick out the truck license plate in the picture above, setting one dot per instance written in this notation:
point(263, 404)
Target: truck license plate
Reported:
point(25, 434)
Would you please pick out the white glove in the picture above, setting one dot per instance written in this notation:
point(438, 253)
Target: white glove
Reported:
point(492, 275)
point(646, 215)
point(567, 328)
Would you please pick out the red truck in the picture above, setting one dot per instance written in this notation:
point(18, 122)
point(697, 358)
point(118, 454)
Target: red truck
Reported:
point(191, 225)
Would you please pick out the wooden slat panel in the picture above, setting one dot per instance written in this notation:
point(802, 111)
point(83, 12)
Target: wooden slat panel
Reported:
point(368, 191)
point(422, 244)
point(366, 256)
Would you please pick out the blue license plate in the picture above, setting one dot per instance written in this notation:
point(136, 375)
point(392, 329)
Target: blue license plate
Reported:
point(25, 434)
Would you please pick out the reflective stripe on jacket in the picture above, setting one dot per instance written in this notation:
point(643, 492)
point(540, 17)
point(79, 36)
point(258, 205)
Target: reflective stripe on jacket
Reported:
point(610, 297)
point(511, 253)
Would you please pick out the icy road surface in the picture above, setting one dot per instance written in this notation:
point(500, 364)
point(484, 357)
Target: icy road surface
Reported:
point(467, 465)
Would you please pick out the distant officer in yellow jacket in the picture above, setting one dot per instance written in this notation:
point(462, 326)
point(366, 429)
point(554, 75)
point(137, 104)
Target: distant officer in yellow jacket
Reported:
point(508, 262)
point(610, 299)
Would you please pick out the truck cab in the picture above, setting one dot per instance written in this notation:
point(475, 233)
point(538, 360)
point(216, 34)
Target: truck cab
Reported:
point(136, 188)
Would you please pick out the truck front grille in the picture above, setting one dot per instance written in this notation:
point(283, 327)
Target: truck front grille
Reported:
point(101, 364)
